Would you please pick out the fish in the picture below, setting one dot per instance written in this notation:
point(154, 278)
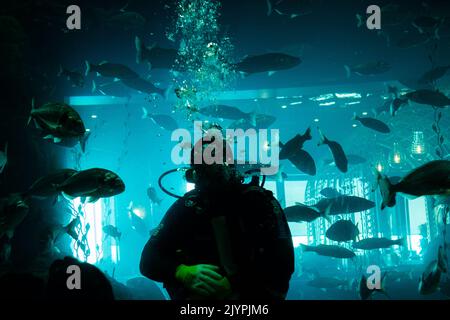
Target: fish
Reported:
point(327, 283)
point(227, 112)
point(92, 184)
point(45, 186)
point(59, 121)
point(412, 40)
point(431, 277)
point(3, 158)
point(127, 20)
point(352, 159)
point(302, 213)
point(344, 204)
point(114, 89)
point(293, 145)
point(164, 121)
point(112, 231)
point(13, 210)
point(340, 159)
point(110, 70)
point(268, 62)
point(342, 230)
point(151, 194)
point(428, 179)
point(370, 68)
point(76, 78)
point(330, 192)
point(433, 75)
point(304, 162)
point(330, 251)
point(427, 24)
point(377, 243)
point(430, 97)
point(155, 57)
point(290, 8)
point(396, 104)
point(145, 86)
point(373, 124)
point(365, 293)
point(260, 121)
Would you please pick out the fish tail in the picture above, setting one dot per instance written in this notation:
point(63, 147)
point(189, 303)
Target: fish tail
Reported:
point(269, 7)
point(306, 248)
point(358, 20)
point(400, 242)
point(88, 68)
point(252, 118)
point(139, 46)
point(61, 71)
point(145, 113)
point(387, 191)
point(307, 135)
point(322, 138)
point(348, 72)
point(354, 117)
point(94, 86)
point(83, 141)
point(166, 92)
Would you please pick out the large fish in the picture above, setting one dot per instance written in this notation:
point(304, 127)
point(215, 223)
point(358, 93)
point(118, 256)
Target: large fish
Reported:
point(373, 124)
point(156, 57)
point(304, 162)
point(112, 231)
point(293, 145)
point(377, 243)
point(431, 178)
point(329, 192)
point(93, 184)
point(330, 251)
point(340, 159)
point(59, 121)
point(431, 277)
point(370, 68)
point(430, 97)
point(164, 121)
point(13, 210)
point(268, 62)
point(111, 70)
point(302, 213)
point(144, 86)
point(76, 78)
point(45, 186)
point(342, 230)
point(344, 204)
point(432, 75)
point(226, 112)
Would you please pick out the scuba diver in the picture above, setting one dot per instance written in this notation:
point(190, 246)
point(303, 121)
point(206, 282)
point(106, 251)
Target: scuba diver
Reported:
point(222, 240)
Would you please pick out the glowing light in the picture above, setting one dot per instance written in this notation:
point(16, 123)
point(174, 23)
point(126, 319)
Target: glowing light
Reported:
point(379, 167)
point(322, 97)
point(283, 107)
point(88, 130)
point(296, 102)
point(316, 120)
point(397, 158)
point(325, 104)
point(364, 113)
point(347, 95)
point(280, 97)
point(352, 103)
point(418, 144)
point(140, 212)
point(94, 116)
point(190, 186)
point(418, 149)
point(354, 125)
point(266, 146)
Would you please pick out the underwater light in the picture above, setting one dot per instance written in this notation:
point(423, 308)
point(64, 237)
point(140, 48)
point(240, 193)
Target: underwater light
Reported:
point(379, 167)
point(352, 103)
point(94, 116)
point(316, 120)
point(418, 144)
point(294, 103)
point(364, 113)
point(140, 212)
point(322, 97)
point(88, 130)
point(354, 125)
point(283, 107)
point(325, 104)
point(347, 95)
point(397, 158)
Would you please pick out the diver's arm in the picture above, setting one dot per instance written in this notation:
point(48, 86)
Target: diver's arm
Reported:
point(158, 260)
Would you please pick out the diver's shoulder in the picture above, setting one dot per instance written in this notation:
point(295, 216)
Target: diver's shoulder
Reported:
point(256, 191)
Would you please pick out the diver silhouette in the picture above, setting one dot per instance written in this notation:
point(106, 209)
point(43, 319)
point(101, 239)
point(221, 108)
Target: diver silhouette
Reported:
point(222, 240)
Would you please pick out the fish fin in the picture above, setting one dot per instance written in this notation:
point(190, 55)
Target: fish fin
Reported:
point(138, 44)
point(359, 22)
point(94, 87)
point(269, 7)
point(61, 71)
point(270, 73)
point(145, 113)
point(307, 135)
point(88, 68)
point(348, 72)
point(83, 141)
point(387, 193)
point(322, 139)
point(279, 12)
